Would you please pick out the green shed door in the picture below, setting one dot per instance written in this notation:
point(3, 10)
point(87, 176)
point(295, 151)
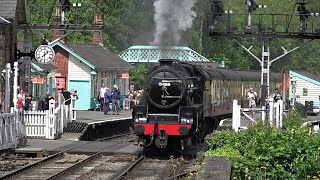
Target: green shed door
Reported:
point(83, 89)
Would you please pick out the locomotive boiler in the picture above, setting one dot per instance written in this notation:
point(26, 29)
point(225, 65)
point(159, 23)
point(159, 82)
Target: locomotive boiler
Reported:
point(183, 102)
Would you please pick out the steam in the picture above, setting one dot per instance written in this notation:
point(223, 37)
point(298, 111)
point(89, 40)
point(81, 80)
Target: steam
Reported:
point(171, 18)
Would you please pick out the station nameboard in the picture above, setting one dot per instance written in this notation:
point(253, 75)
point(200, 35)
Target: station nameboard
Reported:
point(38, 80)
point(60, 83)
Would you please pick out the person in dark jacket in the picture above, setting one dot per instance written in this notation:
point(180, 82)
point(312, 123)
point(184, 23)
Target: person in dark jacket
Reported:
point(106, 100)
point(115, 97)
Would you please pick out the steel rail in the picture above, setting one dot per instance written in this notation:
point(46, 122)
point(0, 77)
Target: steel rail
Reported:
point(181, 175)
point(80, 163)
point(126, 171)
point(54, 156)
point(172, 171)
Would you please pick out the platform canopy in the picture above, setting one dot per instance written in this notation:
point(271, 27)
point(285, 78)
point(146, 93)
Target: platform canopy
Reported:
point(152, 54)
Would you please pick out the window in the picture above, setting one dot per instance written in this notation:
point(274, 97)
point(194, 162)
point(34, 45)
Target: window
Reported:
point(305, 92)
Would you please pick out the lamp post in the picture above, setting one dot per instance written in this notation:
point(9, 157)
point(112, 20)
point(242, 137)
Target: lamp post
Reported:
point(293, 90)
point(7, 88)
point(93, 74)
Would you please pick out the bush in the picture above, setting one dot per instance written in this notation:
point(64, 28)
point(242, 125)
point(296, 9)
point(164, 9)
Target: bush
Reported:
point(263, 152)
point(301, 109)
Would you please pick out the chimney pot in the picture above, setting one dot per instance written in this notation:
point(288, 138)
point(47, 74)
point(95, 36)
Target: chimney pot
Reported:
point(97, 37)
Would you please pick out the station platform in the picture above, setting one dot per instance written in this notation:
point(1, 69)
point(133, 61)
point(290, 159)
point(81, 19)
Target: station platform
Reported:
point(50, 147)
point(92, 125)
point(97, 117)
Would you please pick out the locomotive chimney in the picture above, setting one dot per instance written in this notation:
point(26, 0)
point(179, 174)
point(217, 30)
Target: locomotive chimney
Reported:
point(98, 34)
point(166, 62)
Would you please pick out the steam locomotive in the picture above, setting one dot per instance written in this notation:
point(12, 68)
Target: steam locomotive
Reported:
point(183, 102)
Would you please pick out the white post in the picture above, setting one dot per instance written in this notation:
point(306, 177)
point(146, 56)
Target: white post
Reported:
point(281, 113)
point(271, 111)
point(71, 109)
point(235, 116)
point(74, 108)
point(277, 113)
point(15, 86)
point(62, 119)
point(51, 121)
point(8, 88)
point(263, 114)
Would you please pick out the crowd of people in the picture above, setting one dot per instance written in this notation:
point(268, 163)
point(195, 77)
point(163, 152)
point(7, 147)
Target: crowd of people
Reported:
point(254, 99)
point(107, 96)
point(135, 96)
point(109, 99)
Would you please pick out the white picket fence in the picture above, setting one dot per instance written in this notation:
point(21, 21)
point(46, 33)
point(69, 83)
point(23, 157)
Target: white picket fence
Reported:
point(242, 117)
point(8, 135)
point(49, 124)
point(17, 125)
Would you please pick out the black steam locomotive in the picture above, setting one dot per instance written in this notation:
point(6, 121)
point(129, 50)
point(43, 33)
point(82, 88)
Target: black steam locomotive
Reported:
point(183, 102)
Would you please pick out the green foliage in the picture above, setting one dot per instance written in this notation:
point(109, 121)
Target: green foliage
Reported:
point(263, 152)
point(129, 23)
point(137, 74)
point(293, 120)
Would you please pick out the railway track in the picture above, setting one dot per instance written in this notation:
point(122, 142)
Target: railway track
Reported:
point(58, 164)
point(154, 169)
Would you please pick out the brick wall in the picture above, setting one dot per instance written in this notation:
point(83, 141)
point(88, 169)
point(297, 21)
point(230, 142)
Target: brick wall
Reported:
point(97, 37)
point(61, 62)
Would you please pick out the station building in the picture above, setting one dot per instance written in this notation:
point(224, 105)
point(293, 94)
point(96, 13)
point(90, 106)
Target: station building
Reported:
point(304, 86)
point(86, 67)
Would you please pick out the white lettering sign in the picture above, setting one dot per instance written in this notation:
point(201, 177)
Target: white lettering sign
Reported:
point(166, 84)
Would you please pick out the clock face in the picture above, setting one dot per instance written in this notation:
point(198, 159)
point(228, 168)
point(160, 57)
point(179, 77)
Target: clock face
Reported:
point(44, 54)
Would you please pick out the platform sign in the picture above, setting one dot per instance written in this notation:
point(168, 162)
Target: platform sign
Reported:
point(60, 83)
point(123, 76)
point(38, 80)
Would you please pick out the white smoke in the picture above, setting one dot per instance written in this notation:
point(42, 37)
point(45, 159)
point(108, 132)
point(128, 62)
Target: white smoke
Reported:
point(171, 18)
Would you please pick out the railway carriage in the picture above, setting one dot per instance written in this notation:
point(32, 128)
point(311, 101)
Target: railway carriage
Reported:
point(183, 102)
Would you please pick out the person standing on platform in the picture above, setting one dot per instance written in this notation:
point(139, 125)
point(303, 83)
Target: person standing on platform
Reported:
point(107, 100)
point(251, 96)
point(21, 99)
point(115, 97)
point(102, 91)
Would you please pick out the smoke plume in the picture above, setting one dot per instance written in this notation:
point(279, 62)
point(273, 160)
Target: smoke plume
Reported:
point(171, 18)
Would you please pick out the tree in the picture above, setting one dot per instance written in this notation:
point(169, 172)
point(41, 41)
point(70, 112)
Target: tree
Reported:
point(138, 74)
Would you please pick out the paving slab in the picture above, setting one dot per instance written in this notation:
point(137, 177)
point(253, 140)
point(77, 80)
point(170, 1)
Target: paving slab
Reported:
point(54, 146)
point(93, 117)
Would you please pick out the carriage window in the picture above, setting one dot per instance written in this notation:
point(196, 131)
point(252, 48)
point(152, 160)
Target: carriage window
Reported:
point(305, 92)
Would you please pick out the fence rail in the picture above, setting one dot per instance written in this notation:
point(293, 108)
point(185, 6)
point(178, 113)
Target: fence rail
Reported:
point(242, 117)
point(7, 131)
point(48, 124)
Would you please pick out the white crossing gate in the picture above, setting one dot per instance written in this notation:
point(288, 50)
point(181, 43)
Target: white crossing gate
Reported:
point(36, 123)
point(242, 117)
point(7, 131)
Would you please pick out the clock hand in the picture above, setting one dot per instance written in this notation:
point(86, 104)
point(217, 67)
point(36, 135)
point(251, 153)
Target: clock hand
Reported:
point(45, 53)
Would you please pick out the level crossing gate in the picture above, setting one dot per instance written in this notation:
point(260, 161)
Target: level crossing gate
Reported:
point(242, 117)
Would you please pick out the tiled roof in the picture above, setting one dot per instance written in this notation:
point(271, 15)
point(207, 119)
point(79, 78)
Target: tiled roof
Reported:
point(8, 8)
point(99, 56)
point(46, 67)
point(309, 75)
